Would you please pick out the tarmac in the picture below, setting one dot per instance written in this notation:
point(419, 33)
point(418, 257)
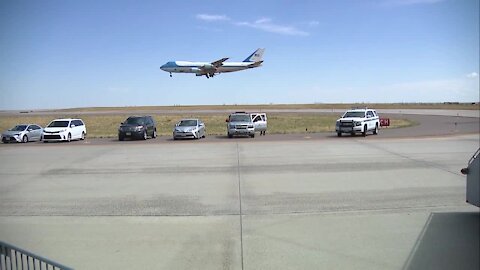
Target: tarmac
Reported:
point(272, 202)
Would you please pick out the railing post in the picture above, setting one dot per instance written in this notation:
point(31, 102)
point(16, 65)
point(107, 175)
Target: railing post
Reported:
point(1, 254)
point(8, 252)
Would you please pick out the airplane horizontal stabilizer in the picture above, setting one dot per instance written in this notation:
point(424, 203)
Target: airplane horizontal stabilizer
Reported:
point(256, 64)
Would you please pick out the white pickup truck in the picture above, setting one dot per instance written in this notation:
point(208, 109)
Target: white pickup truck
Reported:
point(358, 121)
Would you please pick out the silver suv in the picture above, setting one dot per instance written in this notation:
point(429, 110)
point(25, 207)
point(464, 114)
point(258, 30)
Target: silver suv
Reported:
point(240, 123)
point(358, 121)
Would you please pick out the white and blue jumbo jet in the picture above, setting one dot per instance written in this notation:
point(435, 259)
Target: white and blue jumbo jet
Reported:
point(210, 69)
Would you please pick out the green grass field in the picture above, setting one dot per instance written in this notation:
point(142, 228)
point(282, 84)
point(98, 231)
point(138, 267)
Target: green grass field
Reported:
point(104, 121)
point(106, 125)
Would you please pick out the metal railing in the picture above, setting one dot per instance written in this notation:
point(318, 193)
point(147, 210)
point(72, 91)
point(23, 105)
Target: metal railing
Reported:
point(474, 156)
point(12, 257)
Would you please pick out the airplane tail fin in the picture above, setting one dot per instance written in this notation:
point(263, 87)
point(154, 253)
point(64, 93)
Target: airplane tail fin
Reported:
point(255, 56)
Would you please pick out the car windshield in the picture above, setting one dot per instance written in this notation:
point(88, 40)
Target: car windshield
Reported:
point(187, 123)
point(59, 124)
point(354, 114)
point(19, 128)
point(135, 121)
point(240, 118)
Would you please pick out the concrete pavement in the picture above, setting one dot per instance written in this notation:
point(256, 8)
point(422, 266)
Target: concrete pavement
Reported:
point(346, 203)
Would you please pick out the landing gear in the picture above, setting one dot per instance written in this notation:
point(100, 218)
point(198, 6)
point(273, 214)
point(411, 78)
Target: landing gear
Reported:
point(170, 74)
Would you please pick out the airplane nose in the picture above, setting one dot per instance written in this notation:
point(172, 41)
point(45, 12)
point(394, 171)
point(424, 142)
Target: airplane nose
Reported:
point(167, 66)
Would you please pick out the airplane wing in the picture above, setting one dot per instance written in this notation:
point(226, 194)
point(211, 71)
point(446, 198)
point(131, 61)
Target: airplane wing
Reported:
point(219, 62)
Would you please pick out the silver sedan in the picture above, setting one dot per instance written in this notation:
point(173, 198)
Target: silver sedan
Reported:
point(189, 128)
point(23, 133)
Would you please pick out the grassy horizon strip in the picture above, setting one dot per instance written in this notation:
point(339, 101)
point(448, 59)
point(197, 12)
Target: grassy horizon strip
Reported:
point(101, 125)
point(247, 107)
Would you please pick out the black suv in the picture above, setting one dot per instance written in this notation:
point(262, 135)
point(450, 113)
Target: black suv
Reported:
point(137, 127)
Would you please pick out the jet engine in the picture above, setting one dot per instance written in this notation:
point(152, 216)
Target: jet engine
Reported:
point(208, 67)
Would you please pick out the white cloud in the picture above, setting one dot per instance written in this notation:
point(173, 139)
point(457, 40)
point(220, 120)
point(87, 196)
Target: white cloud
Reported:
point(409, 2)
point(212, 17)
point(263, 20)
point(472, 75)
point(266, 24)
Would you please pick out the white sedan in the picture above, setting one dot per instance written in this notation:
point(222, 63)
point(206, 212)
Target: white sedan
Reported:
point(23, 133)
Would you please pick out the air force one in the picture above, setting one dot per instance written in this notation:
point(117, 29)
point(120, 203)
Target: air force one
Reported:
point(210, 69)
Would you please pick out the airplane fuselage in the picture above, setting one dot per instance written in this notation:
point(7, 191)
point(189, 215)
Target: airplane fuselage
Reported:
point(210, 69)
point(200, 67)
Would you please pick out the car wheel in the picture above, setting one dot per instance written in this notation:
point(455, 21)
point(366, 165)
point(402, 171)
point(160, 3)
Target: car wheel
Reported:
point(25, 139)
point(375, 131)
point(69, 137)
point(364, 133)
point(154, 134)
point(253, 135)
point(120, 138)
point(145, 135)
point(339, 134)
point(230, 135)
point(83, 136)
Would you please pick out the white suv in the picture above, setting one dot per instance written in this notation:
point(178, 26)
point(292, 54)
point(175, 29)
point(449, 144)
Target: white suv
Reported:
point(358, 121)
point(64, 130)
point(259, 122)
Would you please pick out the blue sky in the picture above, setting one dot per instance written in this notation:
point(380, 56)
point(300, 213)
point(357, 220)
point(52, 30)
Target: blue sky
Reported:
point(62, 54)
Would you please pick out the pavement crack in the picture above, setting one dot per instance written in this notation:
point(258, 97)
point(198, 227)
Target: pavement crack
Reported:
point(427, 163)
point(240, 204)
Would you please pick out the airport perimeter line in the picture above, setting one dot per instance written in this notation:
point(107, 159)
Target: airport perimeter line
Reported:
point(473, 112)
point(387, 210)
point(269, 138)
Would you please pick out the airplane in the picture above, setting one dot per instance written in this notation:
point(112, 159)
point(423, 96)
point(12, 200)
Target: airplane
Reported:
point(210, 69)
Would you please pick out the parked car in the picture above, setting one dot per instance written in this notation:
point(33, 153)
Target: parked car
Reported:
point(65, 130)
point(23, 133)
point(189, 128)
point(240, 123)
point(358, 121)
point(259, 122)
point(140, 127)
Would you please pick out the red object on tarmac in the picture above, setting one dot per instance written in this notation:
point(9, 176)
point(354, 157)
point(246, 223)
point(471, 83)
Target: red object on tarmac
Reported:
point(384, 122)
